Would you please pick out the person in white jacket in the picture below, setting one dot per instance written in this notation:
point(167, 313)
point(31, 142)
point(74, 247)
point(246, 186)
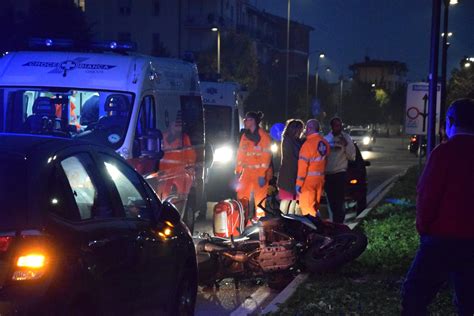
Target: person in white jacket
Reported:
point(342, 150)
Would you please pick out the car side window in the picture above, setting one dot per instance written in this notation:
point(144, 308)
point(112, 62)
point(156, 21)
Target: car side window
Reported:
point(89, 198)
point(129, 187)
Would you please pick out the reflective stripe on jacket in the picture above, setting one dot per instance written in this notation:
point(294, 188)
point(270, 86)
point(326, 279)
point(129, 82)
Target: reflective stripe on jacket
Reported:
point(255, 158)
point(312, 158)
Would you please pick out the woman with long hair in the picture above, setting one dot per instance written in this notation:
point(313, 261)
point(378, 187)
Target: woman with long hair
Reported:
point(290, 148)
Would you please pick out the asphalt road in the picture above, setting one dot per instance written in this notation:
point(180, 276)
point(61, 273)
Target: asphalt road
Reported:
point(388, 158)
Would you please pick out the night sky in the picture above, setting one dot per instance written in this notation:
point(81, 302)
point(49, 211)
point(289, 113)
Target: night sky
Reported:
point(348, 30)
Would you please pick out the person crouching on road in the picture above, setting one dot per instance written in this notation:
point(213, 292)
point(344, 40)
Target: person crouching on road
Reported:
point(311, 166)
point(445, 219)
point(253, 161)
point(342, 150)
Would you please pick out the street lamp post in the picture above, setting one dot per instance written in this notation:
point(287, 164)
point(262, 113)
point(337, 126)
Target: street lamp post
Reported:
point(316, 81)
point(216, 29)
point(321, 55)
point(433, 76)
point(287, 58)
point(444, 57)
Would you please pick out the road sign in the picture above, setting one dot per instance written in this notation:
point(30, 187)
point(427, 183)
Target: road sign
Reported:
point(416, 111)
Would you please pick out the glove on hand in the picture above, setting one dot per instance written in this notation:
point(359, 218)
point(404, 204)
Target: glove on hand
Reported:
point(261, 181)
point(298, 189)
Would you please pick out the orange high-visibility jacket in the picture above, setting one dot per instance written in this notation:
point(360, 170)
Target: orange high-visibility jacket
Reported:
point(254, 158)
point(312, 158)
point(178, 151)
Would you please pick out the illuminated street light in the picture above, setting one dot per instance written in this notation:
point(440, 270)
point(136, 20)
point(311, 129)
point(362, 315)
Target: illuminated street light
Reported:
point(453, 2)
point(216, 29)
point(373, 85)
point(467, 65)
point(328, 69)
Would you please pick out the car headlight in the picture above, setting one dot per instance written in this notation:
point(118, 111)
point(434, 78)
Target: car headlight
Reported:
point(274, 148)
point(223, 154)
point(366, 140)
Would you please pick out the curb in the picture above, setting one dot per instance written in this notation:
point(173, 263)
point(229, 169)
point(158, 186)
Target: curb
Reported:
point(285, 294)
point(253, 302)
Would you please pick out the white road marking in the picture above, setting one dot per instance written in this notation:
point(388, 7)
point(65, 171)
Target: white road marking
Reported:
point(253, 302)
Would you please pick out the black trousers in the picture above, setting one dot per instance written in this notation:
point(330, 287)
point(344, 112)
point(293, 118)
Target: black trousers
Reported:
point(334, 187)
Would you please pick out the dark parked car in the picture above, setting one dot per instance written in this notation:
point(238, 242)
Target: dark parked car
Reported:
point(356, 185)
point(413, 147)
point(82, 233)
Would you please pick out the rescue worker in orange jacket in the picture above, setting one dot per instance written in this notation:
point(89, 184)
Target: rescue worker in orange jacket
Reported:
point(177, 146)
point(253, 165)
point(311, 165)
point(72, 112)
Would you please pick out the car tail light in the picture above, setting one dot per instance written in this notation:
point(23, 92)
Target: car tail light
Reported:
point(413, 139)
point(5, 243)
point(33, 261)
point(30, 266)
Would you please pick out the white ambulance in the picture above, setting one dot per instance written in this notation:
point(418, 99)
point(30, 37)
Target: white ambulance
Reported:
point(134, 104)
point(223, 112)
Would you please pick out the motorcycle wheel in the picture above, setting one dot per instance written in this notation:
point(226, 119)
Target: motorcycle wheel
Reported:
point(343, 248)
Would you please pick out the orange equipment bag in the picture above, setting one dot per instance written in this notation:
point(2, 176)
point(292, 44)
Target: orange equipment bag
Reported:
point(229, 218)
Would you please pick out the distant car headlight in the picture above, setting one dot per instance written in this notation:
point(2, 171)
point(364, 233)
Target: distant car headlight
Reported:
point(274, 148)
point(223, 154)
point(366, 140)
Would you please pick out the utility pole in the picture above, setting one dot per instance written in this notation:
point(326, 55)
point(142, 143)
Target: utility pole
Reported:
point(287, 58)
point(444, 57)
point(433, 76)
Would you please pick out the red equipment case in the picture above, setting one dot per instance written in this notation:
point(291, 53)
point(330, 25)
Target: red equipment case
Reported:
point(229, 218)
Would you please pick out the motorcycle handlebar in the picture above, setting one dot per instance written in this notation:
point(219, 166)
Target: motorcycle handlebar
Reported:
point(268, 209)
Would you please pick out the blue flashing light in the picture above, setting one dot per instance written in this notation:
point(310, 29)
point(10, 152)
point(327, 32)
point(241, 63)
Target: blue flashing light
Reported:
point(115, 46)
point(50, 43)
point(276, 130)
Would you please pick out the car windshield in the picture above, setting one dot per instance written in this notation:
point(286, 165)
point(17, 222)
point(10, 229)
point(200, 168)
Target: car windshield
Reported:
point(13, 195)
point(358, 133)
point(218, 123)
point(98, 116)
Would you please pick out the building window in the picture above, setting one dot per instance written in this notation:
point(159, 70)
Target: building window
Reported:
point(156, 8)
point(125, 7)
point(124, 37)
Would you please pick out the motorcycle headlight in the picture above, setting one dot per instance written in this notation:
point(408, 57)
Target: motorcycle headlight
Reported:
point(274, 148)
point(223, 154)
point(366, 140)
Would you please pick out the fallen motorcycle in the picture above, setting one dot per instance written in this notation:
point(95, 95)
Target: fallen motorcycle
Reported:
point(277, 246)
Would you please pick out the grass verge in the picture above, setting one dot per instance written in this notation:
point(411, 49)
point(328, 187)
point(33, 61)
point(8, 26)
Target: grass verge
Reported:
point(371, 284)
